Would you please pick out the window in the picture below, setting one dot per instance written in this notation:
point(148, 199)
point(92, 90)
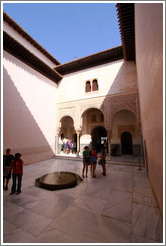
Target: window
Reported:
point(94, 85)
point(88, 86)
point(93, 118)
point(91, 85)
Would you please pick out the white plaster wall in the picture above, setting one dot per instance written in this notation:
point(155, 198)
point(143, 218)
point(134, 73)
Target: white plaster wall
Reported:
point(29, 111)
point(113, 78)
point(149, 60)
point(7, 28)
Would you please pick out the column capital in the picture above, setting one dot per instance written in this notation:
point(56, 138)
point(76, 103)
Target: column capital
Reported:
point(109, 132)
point(78, 130)
point(58, 130)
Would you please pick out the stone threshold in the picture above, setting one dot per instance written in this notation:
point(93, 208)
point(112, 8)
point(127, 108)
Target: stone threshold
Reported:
point(134, 162)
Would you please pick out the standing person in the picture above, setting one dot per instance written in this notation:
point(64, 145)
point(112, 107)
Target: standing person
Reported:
point(61, 142)
point(74, 147)
point(7, 159)
point(93, 161)
point(67, 147)
point(70, 146)
point(17, 168)
point(103, 161)
point(86, 161)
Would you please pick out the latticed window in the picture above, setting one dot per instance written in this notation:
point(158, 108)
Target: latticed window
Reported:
point(94, 85)
point(88, 86)
point(93, 118)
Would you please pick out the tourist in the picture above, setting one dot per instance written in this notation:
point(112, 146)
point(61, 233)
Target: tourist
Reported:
point(17, 168)
point(86, 161)
point(67, 147)
point(74, 147)
point(102, 161)
point(7, 159)
point(93, 162)
point(70, 146)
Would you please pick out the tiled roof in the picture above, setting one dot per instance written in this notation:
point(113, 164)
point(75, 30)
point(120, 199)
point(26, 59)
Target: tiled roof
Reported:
point(16, 49)
point(93, 60)
point(127, 29)
point(25, 35)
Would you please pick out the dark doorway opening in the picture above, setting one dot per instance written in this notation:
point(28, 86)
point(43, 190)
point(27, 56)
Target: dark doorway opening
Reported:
point(126, 143)
point(99, 134)
point(75, 141)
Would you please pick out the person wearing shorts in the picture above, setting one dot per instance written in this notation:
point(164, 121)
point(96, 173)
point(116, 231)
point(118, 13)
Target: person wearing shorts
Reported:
point(93, 162)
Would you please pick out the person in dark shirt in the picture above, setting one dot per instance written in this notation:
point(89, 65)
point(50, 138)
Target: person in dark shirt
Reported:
point(7, 159)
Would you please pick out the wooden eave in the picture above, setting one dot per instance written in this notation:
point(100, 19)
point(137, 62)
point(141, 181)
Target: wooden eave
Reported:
point(16, 49)
point(126, 19)
point(25, 35)
point(96, 59)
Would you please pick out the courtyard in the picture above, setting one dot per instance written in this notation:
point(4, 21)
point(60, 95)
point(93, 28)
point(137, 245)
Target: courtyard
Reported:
point(117, 208)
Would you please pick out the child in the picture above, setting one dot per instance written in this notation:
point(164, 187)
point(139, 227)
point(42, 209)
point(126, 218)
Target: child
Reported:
point(86, 160)
point(93, 161)
point(103, 161)
point(17, 167)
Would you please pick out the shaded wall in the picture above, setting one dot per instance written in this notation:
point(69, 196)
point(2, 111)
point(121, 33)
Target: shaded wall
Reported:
point(29, 111)
point(149, 61)
point(125, 121)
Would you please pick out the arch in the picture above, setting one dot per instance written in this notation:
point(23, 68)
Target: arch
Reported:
point(122, 110)
point(87, 108)
point(66, 117)
point(67, 129)
point(126, 143)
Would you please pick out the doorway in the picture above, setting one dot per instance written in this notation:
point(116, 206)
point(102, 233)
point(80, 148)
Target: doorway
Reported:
point(99, 134)
point(126, 143)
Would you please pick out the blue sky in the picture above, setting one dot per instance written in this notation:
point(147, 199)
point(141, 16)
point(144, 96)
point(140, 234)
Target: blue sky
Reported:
point(68, 30)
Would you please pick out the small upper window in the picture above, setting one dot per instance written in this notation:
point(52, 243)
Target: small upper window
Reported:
point(88, 86)
point(94, 85)
point(93, 118)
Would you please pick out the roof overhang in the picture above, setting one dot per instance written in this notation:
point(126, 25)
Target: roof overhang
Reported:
point(126, 16)
point(25, 35)
point(100, 58)
point(16, 49)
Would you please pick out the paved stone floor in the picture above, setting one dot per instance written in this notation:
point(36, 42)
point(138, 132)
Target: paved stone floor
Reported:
point(118, 208)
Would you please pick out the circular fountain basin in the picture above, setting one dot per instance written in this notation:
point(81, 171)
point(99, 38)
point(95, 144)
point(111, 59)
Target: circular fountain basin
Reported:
point(58, 180)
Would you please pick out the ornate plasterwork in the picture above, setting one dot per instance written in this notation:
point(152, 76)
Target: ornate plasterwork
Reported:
point(126, 128)
point(109, 108)
point(85, 107)
point(66, 111)
point(125, 102)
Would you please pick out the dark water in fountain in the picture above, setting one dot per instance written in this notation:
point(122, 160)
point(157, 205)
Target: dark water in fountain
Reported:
point(58, 180)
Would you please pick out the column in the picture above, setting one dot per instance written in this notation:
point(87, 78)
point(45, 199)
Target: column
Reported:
point(57, 141)
point(109, 142)
point(78, 142)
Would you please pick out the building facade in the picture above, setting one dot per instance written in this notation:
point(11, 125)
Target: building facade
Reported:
point(108, 111)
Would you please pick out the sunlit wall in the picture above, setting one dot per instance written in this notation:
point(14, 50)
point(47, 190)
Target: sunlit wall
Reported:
point(29, 111)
